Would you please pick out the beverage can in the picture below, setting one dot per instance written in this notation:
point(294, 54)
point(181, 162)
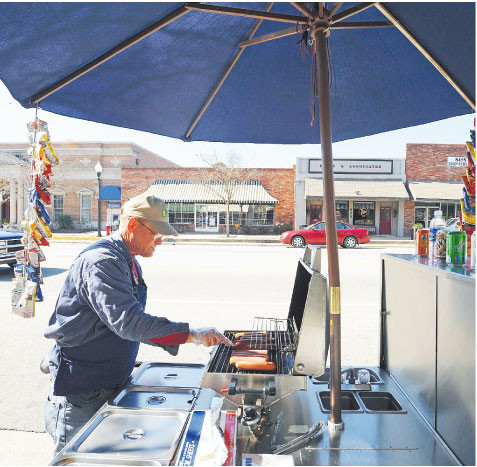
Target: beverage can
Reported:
point(456, 248)
point(472, 250)
point(422, 242)
point(440, 245)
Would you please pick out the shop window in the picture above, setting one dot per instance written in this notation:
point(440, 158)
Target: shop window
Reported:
point(342, 211)
point(260, 215)
point(364, 214)
point(85, 208)
point(181, 213)
point(58, 202)
point(449, 210)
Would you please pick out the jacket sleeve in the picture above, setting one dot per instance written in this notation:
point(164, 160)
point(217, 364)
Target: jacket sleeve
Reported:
point(109, 292)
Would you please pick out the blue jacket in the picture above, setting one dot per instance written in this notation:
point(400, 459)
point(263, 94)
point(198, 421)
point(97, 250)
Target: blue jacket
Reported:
point(99, 320)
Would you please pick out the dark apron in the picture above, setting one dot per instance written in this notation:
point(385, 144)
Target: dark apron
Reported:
point(103, 362)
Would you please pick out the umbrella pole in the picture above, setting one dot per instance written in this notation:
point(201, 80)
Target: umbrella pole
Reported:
point(321, 53)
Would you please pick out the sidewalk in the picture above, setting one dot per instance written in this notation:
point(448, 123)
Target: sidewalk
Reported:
point(221, 238)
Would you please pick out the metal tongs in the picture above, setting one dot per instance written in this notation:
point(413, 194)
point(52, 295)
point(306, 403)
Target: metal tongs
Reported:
point(299, 442)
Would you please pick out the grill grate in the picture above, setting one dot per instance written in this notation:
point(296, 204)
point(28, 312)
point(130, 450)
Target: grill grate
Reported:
point(278, 336)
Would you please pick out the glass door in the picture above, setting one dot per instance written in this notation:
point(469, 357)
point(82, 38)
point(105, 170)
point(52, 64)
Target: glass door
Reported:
point(206, 218)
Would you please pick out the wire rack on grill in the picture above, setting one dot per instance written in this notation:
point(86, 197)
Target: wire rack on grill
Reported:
point(278, 336)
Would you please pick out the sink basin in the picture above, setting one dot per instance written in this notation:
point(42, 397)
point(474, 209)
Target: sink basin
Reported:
point(382, 402)
point(349, 402)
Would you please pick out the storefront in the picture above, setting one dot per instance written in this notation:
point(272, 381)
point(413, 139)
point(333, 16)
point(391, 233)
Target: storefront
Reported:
point(432, 196)
point(369, 193)
point(201, 206)
point(111, 194)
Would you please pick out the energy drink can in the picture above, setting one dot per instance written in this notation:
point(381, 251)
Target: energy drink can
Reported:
point(422, 242)
point(456, 247)
point(440, 245)
point(472, 250)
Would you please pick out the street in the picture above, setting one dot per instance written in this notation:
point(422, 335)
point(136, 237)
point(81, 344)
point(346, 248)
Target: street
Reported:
point(219, 285)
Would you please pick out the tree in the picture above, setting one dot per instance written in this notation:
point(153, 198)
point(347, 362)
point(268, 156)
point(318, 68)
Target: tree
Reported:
point(224, 177)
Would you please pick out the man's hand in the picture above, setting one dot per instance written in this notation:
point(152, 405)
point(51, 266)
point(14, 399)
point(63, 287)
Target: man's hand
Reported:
point(207, 337)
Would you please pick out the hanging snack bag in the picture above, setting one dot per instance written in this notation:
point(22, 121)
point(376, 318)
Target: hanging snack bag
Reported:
point(469, 202)
point(466, 216)
point(23, 298)
point(471, 149)
point(47, 149)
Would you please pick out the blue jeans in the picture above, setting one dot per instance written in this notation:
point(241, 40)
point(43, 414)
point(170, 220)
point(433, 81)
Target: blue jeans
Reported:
point(66, 415)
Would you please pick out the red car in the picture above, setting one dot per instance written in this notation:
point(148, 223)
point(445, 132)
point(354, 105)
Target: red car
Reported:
point(348, 236)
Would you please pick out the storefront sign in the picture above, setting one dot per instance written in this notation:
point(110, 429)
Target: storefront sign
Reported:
point(456, 162)
point(353, 166)
point(113, 205)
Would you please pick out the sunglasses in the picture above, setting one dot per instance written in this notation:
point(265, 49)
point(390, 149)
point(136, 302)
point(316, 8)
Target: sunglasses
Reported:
point(156, 235)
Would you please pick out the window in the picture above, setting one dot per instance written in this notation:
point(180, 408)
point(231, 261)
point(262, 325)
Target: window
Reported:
point(319, 226)
point(85, 208)
point(181, 213)
point(363, 213)
point(260, 215)
point(449, 210)
point(342, 211)
point(58, 201)
point(234, 217)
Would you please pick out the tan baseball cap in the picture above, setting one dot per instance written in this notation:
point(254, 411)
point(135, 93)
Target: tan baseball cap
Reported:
point(153, 210)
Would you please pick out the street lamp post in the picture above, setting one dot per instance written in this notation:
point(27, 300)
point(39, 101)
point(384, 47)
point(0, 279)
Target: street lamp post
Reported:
point(99, 168)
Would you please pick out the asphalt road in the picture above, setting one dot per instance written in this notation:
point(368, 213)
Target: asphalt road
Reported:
point(221, 285)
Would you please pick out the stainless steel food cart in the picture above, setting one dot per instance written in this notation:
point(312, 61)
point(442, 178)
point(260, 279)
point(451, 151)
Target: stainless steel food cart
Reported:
point(416, 408)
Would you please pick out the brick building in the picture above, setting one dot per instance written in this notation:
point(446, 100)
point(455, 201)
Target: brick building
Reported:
point(74, 187)
point(258, 205)
point(434, 178)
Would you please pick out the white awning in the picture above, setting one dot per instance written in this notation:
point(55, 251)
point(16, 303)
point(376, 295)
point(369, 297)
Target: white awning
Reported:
point(359, 189)
point(436, 190)
point(190, 191)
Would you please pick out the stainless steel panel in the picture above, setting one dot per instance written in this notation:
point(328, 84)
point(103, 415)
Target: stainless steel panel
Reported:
point(367, 439)
point(456, 367)
point(91, 459)
point(156, 398)
point(311, 353)
point(131, 433)
point(410, 331)
point(187, 375)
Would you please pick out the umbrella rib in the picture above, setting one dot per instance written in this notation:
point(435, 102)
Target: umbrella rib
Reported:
point(271, 36)
point(234, 60)
point(424, 52)
point(303, 9)
point(335, 8)
point(363, 25)
point(108, 55)
point(352, 11)
point(246, 13)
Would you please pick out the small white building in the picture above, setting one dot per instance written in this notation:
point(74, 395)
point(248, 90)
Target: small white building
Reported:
point(369, 193)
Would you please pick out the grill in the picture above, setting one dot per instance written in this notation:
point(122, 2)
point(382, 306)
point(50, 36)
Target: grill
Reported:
point(297, 344)
point(278, 336)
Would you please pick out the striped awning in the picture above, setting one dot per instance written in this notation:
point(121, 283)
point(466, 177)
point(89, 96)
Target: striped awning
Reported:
point(194, 191)
point(359, 189)
point(436, 190)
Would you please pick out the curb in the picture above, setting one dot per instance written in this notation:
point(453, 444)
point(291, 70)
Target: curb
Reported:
point(210, 241)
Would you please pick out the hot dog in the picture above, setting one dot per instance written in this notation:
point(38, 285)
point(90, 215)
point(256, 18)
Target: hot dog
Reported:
point(239, 345)
point(250, 351)
point(258, 366)
point(239, 335)
point(245, 358)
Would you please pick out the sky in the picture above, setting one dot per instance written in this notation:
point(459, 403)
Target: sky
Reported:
point(13, 120)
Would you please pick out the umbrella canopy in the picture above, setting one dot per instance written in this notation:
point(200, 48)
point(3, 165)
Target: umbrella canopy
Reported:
point(380, 81)
point(233, 73)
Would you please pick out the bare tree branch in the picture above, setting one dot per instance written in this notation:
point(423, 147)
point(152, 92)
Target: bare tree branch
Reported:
point(224, 177)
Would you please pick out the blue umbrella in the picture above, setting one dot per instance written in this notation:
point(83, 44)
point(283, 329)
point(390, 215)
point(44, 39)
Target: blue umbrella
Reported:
point(247, 72)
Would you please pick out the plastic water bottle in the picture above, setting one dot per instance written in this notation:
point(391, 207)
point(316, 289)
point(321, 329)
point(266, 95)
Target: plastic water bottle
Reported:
point(437, 223)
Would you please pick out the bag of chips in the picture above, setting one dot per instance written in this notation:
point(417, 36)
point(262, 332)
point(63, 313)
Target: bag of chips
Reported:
point(23, 298)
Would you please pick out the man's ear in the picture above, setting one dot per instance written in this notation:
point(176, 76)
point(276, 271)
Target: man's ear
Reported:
point(132, 224)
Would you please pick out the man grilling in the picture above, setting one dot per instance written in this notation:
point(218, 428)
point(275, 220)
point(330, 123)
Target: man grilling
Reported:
point(100, 320)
